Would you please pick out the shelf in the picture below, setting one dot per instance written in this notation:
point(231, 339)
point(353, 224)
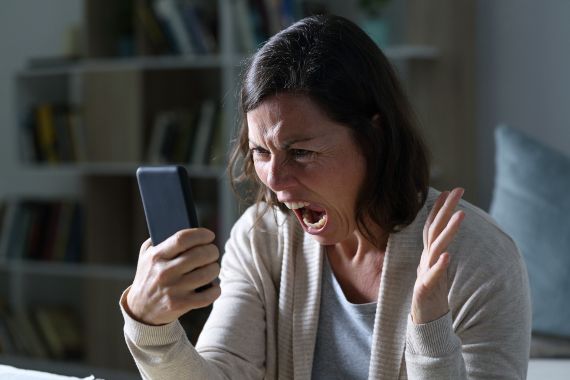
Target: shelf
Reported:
point(396, 52)
point(119, 169)
point(136, 63)
point(50, 268)
point(66, 368)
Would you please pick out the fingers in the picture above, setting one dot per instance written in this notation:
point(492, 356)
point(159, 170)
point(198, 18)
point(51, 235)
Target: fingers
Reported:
point(179, 302)
point(206, 297)
point(444, 214)
point(195, 258)
point(435, 273)
point(182, 241)
point(201, 276)
point(445, 237)
point(435, 209)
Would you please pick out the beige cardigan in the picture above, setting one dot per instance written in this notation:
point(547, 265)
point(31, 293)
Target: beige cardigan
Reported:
point(264, 324)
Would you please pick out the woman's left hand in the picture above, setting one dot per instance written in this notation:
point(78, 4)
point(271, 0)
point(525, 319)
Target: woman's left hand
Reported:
point(429, 301)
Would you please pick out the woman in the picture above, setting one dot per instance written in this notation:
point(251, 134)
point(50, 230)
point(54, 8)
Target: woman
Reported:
point(348, 266)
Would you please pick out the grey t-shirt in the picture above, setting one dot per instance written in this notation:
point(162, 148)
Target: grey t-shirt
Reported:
point(344, 336)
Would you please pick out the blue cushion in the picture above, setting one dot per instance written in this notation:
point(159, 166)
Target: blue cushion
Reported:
point(531, 202)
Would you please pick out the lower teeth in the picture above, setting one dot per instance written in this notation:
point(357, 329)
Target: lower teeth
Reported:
point(317, 225)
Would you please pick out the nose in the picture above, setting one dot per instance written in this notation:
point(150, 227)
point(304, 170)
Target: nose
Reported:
point(280, 176)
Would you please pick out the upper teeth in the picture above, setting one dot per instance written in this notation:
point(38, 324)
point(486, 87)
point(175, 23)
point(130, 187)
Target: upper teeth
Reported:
point(296, 205)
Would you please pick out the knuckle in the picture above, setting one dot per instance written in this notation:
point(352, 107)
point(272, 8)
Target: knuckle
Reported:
point(162, 276)
point(215, 253)
point(432, 233)
point(171, 304)
point(179, 237)
point(154, 257)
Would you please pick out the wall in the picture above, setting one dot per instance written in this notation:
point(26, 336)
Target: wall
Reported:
point(523, 75)
point(29, 28)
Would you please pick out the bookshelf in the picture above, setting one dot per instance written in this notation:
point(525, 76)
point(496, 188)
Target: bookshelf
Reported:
point(111, 102)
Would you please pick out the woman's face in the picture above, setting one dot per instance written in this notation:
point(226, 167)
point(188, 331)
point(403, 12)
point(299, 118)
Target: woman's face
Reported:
point(310, 162)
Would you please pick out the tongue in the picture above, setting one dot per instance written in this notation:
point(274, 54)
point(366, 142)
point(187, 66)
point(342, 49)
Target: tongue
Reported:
point(313, 216)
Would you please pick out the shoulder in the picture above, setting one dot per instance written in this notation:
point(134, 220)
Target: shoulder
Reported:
point(479, 235)
point(260, 221)
point(258, 238)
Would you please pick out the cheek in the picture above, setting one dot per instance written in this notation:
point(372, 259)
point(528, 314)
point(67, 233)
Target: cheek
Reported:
point(261, 172)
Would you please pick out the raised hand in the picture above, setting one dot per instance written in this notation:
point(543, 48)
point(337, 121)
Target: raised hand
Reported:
point(429, 301)
point(168, 275)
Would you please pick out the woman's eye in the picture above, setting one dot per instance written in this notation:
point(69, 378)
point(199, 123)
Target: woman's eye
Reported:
point(301, 153)
point(257, 151)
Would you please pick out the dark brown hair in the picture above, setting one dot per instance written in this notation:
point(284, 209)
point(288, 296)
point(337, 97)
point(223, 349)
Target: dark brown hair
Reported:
point(333, 62)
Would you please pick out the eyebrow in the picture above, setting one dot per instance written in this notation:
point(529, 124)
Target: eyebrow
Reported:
point(290, 141)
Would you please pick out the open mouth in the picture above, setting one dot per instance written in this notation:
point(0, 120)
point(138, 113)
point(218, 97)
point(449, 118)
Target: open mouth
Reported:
point(312, 216)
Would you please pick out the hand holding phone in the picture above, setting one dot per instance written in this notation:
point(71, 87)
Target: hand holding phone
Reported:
point(178, 266)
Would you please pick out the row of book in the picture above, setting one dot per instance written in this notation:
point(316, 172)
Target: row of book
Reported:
point(257, 20)
point(189, 136)
point(46, 332)
point(190, 26)
point(187, 27)
point(43, 230)
point(52, 133)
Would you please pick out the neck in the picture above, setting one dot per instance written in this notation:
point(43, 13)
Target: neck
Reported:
point(357, 247)
point(357, 265)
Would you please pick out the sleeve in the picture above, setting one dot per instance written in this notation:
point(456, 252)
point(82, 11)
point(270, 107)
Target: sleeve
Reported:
point(486, 335)
point(233, 341)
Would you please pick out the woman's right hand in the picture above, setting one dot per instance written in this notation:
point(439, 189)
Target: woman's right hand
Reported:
point(168, 275)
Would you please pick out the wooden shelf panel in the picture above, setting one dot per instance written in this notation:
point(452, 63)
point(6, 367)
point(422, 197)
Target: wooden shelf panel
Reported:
point(63, 269)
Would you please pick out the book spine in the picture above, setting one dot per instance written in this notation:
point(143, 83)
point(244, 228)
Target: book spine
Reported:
point(169, 12)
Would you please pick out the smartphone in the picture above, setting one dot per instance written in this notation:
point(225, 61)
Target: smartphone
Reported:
point(167, 200)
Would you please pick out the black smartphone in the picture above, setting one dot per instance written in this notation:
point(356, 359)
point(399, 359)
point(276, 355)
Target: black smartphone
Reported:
point(167, 200)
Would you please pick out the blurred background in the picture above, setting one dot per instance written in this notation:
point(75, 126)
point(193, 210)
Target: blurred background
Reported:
point(91, 89)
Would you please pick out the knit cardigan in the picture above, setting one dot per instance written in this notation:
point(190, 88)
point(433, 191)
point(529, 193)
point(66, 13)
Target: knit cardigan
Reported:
point(264, 324)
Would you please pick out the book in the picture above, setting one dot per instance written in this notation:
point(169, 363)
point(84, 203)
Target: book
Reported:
point(172, 136)
point(46, 133)
point(7, 343)
point(63, 232)
point(204, 130)
point(33, 240)
point(19, 231)
point(202, 38)
point(7, 230)
point(74, 251)
point(28, 142)
point(218, 145)
point(244, 26)
point(59, 328)
point(76, 136)
point(50, 226)
point(169, 13)
point(30, 342)
point(63, 140)
point(154, 38)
